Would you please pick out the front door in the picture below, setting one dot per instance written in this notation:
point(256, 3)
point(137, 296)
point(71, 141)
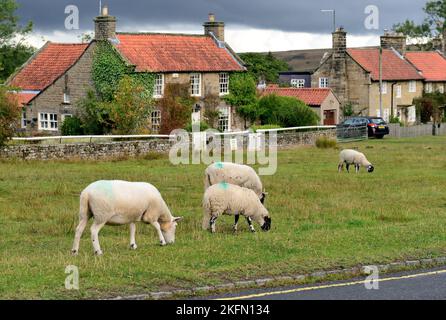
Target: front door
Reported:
point(329, 117)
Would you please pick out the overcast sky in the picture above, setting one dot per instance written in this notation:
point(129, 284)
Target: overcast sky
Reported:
point(251, 25)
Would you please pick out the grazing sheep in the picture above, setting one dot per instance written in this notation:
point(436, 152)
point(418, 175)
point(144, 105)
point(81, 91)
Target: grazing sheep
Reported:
point(349, 157)
point(119, 203)
point(225, 198)
point(239, 175)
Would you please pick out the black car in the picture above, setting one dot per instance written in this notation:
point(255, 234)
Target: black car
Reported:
point(376, 126)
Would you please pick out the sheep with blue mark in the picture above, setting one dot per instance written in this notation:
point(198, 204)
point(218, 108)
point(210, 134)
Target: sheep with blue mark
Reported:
point(237, 174)
point(353, 157)
point(120, 203)
point(228, 199)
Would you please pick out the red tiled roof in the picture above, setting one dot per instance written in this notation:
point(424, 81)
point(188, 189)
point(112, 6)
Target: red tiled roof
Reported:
point(25, 98)
point(311, 96)
point(49, 64)
point(431, 64)
point(393, 67)
point(175, 53)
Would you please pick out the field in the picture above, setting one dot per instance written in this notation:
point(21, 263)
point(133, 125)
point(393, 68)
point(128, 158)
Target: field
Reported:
point(321, 220)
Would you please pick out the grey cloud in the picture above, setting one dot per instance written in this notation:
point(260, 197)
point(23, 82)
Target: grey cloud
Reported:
point(286, 15)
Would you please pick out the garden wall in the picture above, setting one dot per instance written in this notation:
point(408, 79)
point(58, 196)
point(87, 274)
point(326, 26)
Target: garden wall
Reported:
point(110, 150)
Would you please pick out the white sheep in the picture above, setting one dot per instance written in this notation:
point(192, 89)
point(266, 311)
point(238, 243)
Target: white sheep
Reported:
point(225, 198)
point(353, 157)
point(237, 174)
point(120, 203)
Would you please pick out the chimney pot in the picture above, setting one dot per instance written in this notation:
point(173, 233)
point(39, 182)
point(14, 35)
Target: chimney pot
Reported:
point(211, 17)
point(105, 10)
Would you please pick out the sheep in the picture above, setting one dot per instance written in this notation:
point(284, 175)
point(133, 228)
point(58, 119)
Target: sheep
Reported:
point(225, 198)
point(119, 203)
point(237, 174)
point(349, 157)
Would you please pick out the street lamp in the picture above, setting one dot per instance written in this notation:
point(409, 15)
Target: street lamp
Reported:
point(334, 17)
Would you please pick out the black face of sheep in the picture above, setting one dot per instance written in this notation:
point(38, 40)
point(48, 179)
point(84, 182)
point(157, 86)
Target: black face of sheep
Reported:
point(267, 225)
point(370, 169)
point(263, 197)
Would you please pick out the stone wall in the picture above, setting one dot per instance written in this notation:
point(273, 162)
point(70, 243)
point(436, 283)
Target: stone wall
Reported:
point(111, 150)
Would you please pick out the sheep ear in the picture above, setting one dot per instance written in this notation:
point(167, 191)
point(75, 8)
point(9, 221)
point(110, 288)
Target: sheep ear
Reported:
point(178, 219)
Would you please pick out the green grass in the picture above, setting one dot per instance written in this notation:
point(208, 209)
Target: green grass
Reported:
point(320, 219)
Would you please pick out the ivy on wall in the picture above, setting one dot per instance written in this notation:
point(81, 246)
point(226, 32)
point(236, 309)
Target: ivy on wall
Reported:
point(109, 68)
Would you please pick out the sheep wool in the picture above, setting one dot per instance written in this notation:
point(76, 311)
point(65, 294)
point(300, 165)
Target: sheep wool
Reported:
point(353, 157)
point(229, 199)
point(120, 203)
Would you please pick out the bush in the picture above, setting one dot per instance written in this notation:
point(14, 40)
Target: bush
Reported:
point(9, 115)
point(203, 127)
point(326, 143)
point(286, 112)
point(72, 127)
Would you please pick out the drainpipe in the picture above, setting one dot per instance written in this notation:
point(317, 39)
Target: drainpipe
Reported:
point(393, 100)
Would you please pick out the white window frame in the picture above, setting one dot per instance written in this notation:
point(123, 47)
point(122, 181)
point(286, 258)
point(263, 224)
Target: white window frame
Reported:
point(224, 83)
point(195, 83)
point(298, 83)
point(398, 91)
point(23, 121)
point(48, 121)
point(66, 98)
point(158, 90)
point(429, 87)
point(412, 86)
point(441, 88)
point(64, 116)
point(224, 119)
point(323, 82)
point(384, 87)
point(155, 120)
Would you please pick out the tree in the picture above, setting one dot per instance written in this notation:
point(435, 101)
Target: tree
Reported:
point(417, 33)
point(129, 111)
point(13, 52)
point(243, 96)
point(176, 107)
point(9, 115)
point(433, 25)
point(286, 112)
point(264, 66)
point(429, 107)
point(93, 115)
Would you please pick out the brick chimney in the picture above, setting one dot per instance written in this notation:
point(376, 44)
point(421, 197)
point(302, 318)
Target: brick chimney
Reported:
point(437, 44)
point(217, 28)
point(105, 26)
point(394, 40)
point(339, 43)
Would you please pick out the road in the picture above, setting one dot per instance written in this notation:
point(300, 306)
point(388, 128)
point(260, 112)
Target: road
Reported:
point(415, 285)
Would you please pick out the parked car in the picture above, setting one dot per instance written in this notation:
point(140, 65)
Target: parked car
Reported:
point(376, 126)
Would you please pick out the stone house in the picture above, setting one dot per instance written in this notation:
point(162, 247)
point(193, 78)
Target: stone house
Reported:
point(432, 66)
point(353, 74)
point(52, 82)
point(321, 100)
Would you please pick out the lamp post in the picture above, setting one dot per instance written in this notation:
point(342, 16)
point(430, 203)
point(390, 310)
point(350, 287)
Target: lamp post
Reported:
point(334, 17)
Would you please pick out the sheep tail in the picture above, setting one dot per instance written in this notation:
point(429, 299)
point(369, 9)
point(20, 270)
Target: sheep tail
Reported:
point(84, 210)
point(206, 214)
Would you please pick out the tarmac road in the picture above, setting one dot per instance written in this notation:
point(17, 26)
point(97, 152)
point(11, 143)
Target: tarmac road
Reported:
point(414, 285)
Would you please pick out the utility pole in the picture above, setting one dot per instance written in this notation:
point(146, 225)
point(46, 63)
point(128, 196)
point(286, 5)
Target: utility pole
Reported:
point(381, 82)
point(334, 17)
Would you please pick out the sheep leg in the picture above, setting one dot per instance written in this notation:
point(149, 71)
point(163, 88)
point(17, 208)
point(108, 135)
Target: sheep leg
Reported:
point(133, 245)
point(157, 226)
point(95, 228)
point(347, 166)
point(340, 167)
point(357, 168)
point(79, 231)
point(237, 216)
point(212, 223)
point(251, 227)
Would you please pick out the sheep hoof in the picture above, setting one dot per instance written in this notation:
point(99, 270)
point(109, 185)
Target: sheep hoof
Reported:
point(163, 243)
point(133, 246)
point(99, 253)
point(74, 252)
point(253, 230)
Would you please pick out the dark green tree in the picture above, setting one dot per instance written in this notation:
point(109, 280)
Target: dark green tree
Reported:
point(264, 66)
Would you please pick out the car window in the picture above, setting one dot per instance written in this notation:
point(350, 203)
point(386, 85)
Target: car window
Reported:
point(377, 121)
point(348, 122)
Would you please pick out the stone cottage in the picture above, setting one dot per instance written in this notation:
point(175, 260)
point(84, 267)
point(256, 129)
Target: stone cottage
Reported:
point(51, 83)
point(321, 100)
